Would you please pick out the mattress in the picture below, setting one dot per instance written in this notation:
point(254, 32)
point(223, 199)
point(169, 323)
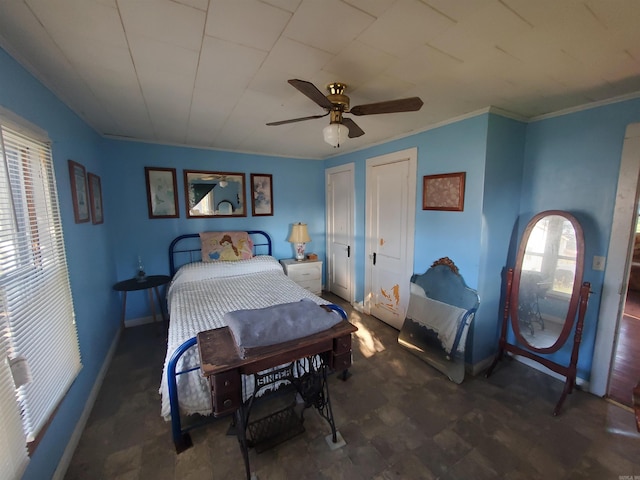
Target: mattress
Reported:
point(199, 296)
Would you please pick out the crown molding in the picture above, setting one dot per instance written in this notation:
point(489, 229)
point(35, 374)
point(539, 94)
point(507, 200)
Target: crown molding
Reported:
point(110, 136)
point(586, 106)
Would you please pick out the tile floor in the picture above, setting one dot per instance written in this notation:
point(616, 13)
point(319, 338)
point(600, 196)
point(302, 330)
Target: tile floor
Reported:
point(400, 420)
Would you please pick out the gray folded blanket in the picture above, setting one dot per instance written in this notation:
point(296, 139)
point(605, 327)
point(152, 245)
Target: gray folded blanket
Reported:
point(262, 327)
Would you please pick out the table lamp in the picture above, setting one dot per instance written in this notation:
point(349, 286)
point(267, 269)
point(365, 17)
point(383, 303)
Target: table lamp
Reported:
point(299, 237)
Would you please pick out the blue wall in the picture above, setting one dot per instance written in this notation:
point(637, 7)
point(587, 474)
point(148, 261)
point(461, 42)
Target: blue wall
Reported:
point(572, 163)
point(438, 234)
point(100, 255)
point(489, 148)
point(513, 171)
point(89, 253)
point(298, 196)
point(500, 208)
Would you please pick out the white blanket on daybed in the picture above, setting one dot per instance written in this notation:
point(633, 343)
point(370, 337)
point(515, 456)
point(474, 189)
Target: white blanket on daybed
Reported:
point(442, 318)
point(199, 296)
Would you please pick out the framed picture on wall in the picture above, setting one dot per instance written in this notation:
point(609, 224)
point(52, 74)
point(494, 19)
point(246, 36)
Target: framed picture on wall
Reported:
point(162, 192)
point(443, 192)
point(95, 199)
point(79, 195)
point(261, 194)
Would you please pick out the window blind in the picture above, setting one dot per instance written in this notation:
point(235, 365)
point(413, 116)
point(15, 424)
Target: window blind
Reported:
point(13, 448)
point(38, 324)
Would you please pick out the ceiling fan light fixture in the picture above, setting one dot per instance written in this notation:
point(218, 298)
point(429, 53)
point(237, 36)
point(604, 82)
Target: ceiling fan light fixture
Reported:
point(335, 134)
point(336, 103)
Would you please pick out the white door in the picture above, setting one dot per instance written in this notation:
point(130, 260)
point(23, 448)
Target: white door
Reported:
point(340, 201)
point(618, 264)
point(391, 199)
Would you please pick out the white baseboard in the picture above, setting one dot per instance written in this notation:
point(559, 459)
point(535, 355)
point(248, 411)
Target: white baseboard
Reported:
point(580, 382)
point(67, 455)
point(358, 307)
point(481, 366)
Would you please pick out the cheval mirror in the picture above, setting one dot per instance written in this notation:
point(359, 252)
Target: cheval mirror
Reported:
point(545, 299)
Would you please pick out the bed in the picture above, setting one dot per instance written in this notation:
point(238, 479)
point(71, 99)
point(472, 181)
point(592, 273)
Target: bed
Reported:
point(199, 296)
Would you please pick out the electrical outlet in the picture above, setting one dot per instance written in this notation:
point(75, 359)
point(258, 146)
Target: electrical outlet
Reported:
point(598, 263)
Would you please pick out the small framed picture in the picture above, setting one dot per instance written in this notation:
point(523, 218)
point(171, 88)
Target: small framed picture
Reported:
point(443, 192)
point(162, 192)
point(95, 199)
point(261, 194)
point(78, 177)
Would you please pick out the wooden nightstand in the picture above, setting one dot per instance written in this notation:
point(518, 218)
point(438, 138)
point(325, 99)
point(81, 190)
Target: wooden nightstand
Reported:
point(306, 273)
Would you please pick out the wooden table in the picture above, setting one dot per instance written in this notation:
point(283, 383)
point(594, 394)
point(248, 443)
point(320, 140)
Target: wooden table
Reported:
point(221, 363)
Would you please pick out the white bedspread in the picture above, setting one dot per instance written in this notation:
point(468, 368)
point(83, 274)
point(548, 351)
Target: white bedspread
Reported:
point(199, 296)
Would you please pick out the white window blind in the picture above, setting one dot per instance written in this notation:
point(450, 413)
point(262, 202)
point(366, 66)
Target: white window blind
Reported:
point(39, 337)
point(13, 449)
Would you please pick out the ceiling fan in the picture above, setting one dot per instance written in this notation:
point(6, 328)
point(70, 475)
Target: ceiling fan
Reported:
point(337, 103)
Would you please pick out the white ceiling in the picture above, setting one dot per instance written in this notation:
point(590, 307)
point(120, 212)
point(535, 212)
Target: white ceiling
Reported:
point(211, 73)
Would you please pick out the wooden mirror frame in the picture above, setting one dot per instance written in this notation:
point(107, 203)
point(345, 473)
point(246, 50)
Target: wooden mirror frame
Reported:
point(575, 293)
point(577, 303)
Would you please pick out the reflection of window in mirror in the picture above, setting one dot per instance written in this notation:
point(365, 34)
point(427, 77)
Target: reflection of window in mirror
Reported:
point(547, 279)
point(551, 251)
point(206, 190)
point(565, 267)
point(203, 199)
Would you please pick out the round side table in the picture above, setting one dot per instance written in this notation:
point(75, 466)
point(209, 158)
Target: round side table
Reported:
point(151, 284)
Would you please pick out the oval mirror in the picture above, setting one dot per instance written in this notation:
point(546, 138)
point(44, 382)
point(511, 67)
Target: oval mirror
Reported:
point(547, 280)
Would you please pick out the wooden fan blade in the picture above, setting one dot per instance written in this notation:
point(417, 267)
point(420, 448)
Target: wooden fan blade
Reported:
point(311, 91)
point(354, 130)
point(293, 120)
point(411, 104)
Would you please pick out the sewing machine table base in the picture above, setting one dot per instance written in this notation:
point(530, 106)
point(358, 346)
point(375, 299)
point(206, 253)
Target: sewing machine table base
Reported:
point(302, 363)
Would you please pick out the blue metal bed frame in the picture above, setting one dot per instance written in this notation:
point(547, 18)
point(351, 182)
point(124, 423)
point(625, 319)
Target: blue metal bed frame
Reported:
point(181, 438)
point(260, 246)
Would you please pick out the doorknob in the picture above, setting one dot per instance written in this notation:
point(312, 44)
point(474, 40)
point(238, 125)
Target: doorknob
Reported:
point(374, 258)
point(348, 251)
